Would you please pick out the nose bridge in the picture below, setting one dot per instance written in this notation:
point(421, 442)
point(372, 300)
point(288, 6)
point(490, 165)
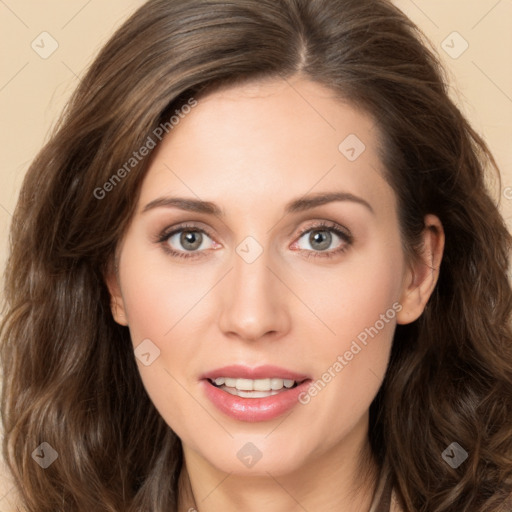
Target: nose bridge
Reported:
point(250, 280)
point(253, 304)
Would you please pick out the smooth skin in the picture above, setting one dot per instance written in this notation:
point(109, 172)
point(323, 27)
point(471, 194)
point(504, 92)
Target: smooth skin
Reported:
point(251, 150)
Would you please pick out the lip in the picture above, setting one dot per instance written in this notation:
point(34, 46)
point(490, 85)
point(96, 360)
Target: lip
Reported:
point(254, 409)
point(261, 372)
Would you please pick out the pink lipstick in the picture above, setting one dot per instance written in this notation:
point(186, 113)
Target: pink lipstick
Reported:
point(254, 394)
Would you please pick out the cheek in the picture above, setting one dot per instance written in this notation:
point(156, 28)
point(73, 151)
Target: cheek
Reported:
point(352, 296)
point(157, 295)
point(357, 305)
point(158, 306)
point(162, 304)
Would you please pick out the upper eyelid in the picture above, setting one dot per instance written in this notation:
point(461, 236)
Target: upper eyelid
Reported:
point(170, 230)
point(326, 225)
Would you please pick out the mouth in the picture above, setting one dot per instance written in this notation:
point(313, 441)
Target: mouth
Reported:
point(254, 388)
point(254, 394)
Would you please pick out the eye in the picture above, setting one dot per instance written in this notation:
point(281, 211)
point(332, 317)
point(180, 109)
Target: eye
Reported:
point(323, 238)
point(189, 240)
point(186, 241)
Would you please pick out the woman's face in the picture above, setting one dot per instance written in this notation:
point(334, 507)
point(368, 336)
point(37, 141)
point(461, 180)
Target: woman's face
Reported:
point(265, 239)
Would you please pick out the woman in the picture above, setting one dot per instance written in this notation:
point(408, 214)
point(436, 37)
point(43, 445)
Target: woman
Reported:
point(261, 267)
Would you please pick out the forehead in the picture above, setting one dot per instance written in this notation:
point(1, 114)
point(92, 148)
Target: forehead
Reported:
point(274, 139)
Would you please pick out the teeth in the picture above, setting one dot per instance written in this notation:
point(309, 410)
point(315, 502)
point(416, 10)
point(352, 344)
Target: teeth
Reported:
point(249, 394)
point(244, 385)
point(276, 383)
point(273, 384)
point(261, 385)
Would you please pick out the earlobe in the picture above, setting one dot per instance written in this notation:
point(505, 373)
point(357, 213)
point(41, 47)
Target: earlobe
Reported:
point(116, 299)
point(421, 278)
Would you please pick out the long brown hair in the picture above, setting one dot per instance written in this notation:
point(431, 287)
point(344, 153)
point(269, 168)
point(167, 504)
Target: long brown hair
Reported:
point(70, 377)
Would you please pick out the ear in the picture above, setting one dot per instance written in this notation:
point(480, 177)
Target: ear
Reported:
point(116, 299)
point(421, 278)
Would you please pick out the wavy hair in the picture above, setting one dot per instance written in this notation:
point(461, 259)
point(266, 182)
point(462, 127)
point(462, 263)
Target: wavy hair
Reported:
point(69, 373)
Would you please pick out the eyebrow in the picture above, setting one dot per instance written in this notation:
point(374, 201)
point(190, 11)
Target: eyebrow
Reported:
point(297, 205)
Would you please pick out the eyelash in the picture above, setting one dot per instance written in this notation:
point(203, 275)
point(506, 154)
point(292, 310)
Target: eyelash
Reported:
point(341, 232)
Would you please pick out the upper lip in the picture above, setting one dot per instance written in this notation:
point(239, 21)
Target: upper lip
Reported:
point(260, 372)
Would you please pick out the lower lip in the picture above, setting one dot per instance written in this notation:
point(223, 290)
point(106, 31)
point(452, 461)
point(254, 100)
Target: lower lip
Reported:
point(254, 409)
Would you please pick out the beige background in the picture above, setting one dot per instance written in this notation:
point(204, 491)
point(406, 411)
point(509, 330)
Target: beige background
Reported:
point(33, 90)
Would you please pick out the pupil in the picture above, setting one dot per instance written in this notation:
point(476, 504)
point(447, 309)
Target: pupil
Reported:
point(322, 239)
point(191, 240)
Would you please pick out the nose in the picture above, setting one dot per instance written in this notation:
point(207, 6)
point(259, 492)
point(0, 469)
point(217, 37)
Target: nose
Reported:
point(254, 301)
